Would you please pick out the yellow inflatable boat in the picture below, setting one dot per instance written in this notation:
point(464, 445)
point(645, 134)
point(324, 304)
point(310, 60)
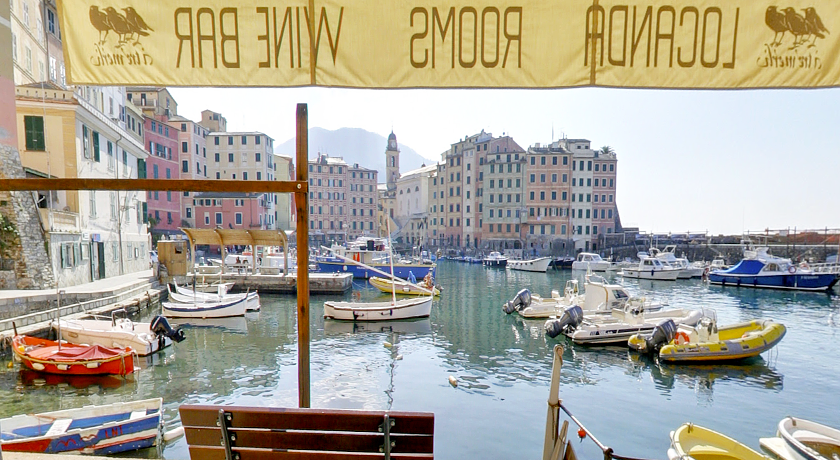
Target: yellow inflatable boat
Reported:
point(402, 287)
point(707, 342)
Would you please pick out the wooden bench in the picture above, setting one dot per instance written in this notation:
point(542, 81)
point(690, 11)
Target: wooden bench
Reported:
point(265, 433)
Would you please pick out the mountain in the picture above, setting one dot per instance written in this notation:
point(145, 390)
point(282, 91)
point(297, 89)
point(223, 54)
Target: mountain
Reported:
point(355, 145)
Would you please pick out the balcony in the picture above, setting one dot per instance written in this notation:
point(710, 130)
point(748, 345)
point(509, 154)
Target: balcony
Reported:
point(60, 221)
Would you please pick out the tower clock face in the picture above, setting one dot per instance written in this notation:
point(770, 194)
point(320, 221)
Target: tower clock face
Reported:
point(392, 143)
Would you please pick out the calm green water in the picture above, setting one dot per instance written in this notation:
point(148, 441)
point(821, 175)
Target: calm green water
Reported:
point(502, 364)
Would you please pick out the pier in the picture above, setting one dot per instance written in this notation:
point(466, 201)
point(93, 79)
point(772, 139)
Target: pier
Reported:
point(319, 283)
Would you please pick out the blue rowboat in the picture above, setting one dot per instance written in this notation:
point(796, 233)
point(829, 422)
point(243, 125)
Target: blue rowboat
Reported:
point(98, 430)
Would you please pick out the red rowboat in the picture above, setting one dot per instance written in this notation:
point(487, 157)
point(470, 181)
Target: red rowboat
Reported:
point(71, 359)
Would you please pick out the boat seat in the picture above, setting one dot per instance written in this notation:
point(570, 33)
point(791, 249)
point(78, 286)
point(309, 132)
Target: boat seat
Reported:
point(267, 433)
point(706, 451)
point(59, 426)
point(805, 436)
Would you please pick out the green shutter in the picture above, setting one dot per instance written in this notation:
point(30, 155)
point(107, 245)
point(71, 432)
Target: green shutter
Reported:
point(141, 169)
point(34, 127)
point(95, 146)
point(145, 213)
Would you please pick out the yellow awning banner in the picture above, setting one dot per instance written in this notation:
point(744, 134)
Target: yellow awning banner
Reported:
point(455, 44)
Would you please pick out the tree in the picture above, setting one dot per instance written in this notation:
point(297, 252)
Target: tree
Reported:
point(606, 150)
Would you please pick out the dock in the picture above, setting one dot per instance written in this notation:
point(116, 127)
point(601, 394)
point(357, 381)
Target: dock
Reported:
point(319, 283)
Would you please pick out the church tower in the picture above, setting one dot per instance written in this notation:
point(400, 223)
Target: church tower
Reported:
point(392, 163)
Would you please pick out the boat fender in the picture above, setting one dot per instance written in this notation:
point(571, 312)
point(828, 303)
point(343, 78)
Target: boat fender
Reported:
point(173, 434)
point(387, 345)
point(453, 381)
point(791, 269)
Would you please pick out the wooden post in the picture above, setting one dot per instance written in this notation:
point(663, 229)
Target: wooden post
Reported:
point(302, 204)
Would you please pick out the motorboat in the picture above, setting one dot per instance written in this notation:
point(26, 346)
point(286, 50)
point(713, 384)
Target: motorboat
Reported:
point(418, 307)
point(800, 439)
point(590, 261)
point(495, 259)
point(143, 338)
point(601, 297)
point(97, 430)
point(687, 269)
point(651, 268)
point(72, 359)
point(694, 441)
point(532, 265)
point(533, 306)
point(404, 287)
point(616, 328)
point(707, 342)
point(198, 309)
point(186, 295)
point(759, 269)
point(370, 252)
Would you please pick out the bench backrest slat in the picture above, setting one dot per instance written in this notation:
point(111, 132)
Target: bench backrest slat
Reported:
point(264, 433)
point(311, 440)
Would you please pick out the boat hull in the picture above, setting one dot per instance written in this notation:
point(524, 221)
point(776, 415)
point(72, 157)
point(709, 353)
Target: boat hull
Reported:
point(789, 281)
point(656, 275)
point(379, 311)
point(692, 441)
point(600, 266)
point(534, 265)
point(386, 285)
point(119, 334)
point(498, 263)
point(400, 270)
point(183, 295)
point(98, 430)
point(45, 356)
point(807, 440)
point(749, 339)
point(204, 310)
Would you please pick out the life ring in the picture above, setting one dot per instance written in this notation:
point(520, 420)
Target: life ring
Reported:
point(791, 269)
point(681, 338)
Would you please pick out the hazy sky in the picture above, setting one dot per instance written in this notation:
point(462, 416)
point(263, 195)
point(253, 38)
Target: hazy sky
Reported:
point(722, 161)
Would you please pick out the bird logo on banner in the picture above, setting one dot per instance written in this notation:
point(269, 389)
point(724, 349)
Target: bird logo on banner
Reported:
point(805, 28)
point(128, 27)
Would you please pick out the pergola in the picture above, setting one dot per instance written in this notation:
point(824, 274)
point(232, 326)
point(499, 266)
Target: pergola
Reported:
point(230, 237)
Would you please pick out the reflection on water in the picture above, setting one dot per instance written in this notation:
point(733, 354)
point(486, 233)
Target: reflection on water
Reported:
point(502, 364)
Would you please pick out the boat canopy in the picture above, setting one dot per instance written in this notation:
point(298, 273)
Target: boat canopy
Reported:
point(746, 267)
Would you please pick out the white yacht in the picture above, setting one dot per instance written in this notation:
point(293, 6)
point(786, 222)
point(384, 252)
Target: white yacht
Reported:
point(590, 261)
point(651, 268)
point(687, 269)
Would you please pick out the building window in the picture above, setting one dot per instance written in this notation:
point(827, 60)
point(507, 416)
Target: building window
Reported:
point(34, 133)
point(189, 213)
point(185, 166)
point(218, 218)
point(230, 140)
point(230, 158)
point(238, 216)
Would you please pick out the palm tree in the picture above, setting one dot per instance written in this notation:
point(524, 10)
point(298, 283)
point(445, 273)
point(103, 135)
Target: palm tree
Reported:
point(606, 150)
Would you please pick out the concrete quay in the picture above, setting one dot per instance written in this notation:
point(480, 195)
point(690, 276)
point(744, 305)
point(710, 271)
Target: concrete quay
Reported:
point(319, 283)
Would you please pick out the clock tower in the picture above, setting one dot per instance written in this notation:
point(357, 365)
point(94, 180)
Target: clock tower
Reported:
point(392, 163)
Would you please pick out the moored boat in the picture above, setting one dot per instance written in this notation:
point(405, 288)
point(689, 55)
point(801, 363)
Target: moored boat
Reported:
point(495, 259)
point(370, 252)
point(651, 268)
point(590, 261)
point(533, 306)
point(143, 338)
point(186, 295)
point(403, 287)
point(98, 430)
point(532, 265)
point(418, 307)
point(707, 342)
point(72, 359)
point(759, 269)
point(205, 309)
point(698, 443)
point(800, 439)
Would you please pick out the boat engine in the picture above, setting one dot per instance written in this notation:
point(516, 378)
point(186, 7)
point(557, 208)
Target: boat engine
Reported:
point(521, 301)
point(570, 319)
point(663, 333)
point(160, 326)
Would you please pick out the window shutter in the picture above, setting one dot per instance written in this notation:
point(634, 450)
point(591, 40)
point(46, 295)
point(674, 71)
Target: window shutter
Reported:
point(95, 146)
point(141, 169)
point(145, 213)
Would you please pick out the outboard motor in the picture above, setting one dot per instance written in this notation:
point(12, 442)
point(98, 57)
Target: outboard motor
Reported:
point(161, 327)
point(521, 301)
point(663, 333)
point(570, 319)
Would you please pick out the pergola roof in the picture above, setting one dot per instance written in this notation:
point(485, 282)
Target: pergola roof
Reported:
point(226, 237)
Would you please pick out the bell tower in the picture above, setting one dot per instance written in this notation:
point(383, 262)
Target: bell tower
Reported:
point(392, 163)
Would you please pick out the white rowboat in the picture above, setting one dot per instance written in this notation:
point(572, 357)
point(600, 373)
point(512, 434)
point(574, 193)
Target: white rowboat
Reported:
point(204, 309)
point(419, 307)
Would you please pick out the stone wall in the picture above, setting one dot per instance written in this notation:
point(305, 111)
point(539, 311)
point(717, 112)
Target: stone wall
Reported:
point(32, 266)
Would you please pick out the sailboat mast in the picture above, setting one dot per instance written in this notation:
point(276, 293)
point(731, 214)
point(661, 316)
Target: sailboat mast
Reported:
point(391, 259)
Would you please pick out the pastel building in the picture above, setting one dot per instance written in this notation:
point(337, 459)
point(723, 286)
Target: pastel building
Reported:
point(412, 204)
point(229, 210)
point(192, 158)
point(164, 207)
point(503, 197)
point(343, 201)
point(284, 170)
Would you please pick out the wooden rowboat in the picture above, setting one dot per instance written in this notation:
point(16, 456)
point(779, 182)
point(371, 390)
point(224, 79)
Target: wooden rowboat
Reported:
point(401, 287)
point(419, 307)
point(692, 441)
point(98, 430)
point(72, 359)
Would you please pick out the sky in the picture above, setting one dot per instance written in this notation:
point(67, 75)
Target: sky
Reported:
point(723, 162)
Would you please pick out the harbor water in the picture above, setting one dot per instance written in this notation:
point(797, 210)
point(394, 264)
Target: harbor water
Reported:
point(502, 365)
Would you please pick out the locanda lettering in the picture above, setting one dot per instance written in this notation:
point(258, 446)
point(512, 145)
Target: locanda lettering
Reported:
point(656, 32)
point(479, 36)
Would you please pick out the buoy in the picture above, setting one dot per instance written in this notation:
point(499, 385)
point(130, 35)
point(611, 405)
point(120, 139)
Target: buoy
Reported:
point(399, 357)
point(387, 344)
point(453, 381)
point(581, 433)
point(173, 434)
